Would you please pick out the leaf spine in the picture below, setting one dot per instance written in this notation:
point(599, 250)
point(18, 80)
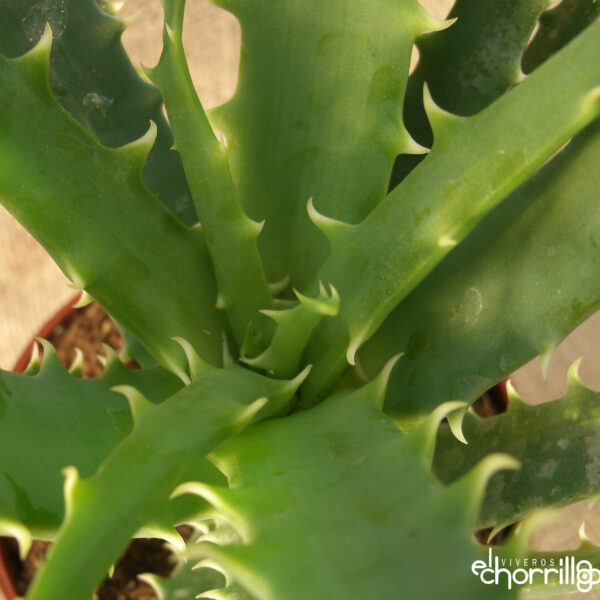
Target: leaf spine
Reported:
point(138, 403)
point(335, 231)
point(76, 368)
point(441, 121)
point(380, 383)
point(277, 287)
point(18, 531)
point(455, 421)
point(422, 439)
point(84, 300)
point(196, 365)
point(71, 475)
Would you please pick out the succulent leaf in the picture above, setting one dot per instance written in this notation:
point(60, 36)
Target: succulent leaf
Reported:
point(55, 420)
point(557, 444)
point(482, 256)
point(92, 77)
point(301, 126)
point(465, 175)
point(75, 194)
point(230, 235)
point(294, 327)
point(333, 502)
point(189, 424)
point(489, 307)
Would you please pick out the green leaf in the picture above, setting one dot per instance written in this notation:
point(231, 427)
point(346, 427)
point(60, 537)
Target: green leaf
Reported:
point(471, 64)
point(475, 163)
point(92, 77)
point(339, 493)
point(559, 26)
point(514, 289)
point(52, 420)
point(557, 443)
point(317, 115)
point(230, 235)
point(105, 509)
point(74, 195)
point(294, 327)
point(468, 65)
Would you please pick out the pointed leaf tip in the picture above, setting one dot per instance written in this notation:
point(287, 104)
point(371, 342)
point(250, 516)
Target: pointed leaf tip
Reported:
point(111, 358)
point(279, 286)
point(76, 368)
point(148, 72)
point(41, 50)
point(511, 392)
point(128, 20)
point(84, 300)
point(545, 355)
point(324, 304)
point(33, 366)
point(356, 341)
point(138, 150)
point(50, 359)
point(297, 381)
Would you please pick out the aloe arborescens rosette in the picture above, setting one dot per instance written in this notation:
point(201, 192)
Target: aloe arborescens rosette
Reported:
point(357, 255)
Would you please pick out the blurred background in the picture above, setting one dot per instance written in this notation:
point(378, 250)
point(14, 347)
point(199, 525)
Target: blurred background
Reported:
point(32, 288)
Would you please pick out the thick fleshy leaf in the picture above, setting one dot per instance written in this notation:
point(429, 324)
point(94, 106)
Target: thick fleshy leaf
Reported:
point(468, 65)
point(294, 327)
point(105, 509)
point(230, 235)
point(557, 443)
point(513, 289)
point(317, 113)
point(51, 420)
point(559, 26)
point(339, 493)
point(471, 64)
point(92, 77)
point(75, 196)
point(475, 163)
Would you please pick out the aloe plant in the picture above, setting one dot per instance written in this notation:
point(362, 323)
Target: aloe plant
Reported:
point(353, 258)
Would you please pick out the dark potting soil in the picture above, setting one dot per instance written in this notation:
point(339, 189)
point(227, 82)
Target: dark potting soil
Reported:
point(87, 329)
